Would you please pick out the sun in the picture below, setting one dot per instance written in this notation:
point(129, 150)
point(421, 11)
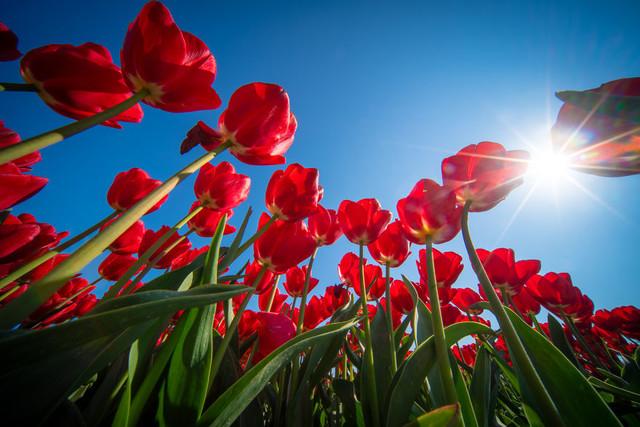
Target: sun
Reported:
point(548, 166)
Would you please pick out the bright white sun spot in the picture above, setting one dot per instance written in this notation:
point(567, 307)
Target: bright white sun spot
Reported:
point(548, 166)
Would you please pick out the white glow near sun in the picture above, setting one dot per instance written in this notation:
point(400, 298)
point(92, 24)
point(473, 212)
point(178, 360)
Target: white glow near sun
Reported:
point(548, 166)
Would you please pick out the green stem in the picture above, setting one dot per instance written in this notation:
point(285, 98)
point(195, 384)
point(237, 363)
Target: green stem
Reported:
point(24, 305)
point(305, 292)
point(516, 348)
point(17, 87)
point(576, 332)
point(387, 296)
point(43, 140)
point(24, 269)
point(368, 354)
point(442, 351)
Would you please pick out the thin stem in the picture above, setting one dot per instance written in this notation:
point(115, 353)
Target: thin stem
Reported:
point(26, 268)
point(368, 354)
point(387, 296)
point(17, 87)
point(305, 291)
point(43, 140)
point(24, 305)
point(272, 296)
point(442, 351)
point(516, 348)
point(576, 332)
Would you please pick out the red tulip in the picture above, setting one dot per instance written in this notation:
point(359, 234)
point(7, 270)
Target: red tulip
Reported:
point(396, 315)
point(484, 174)
point(251, 275)
point(464, 298)
point(283, 245)
point(43, 269)
point(465, 353)
point(555, 292)
point(150, 237)
point(294, 285)
point(176, 67)
point(131, 186)
point(9, 138)
point(16, 187)
point(114, 266)
point(602, 136)
point(294, 193)
point(8, 44)
point(23, 239)
point(278, 300)
point(316, 312)
point(629, 318)
point(349, 272)
point(526, 303)
point(391, 247)
point(429, 212)
point(73, 291)
point(273, 331)
point(362, 221)
point(607, 320)
point(324, 227)
point(336, 296)
point(78, 81)
point(448, 266)
point(220, 187)
point(504, 272)
point(129, 241)
point(188, 257)
point(257, 123)
point(205, 222)
point(129, 288)
point(401, 299)
point(451, 315)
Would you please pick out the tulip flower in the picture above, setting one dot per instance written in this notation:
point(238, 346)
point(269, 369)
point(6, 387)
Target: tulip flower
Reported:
point(205, 222)
point(9, 138)
point(526, 304)
point(257, 123)
point(401, 299)
point(465, 353)
point(278, 300)
point(129, 241)
point(555, 292)
point(607, 325)
point(131, 186)
point(464, 298)
point(175, 67)
point(349, 272)
point(178, 244)
point(429, 212)
point(79, 81)
point(317, 312)
point(43, 269)
point(23, 238)
point(484, 174)
point(295, 278)
point(362, 221)
point(188, 257)
point(8, 44)
point(293, 194)
point(220, 187)
point(114, 266)
point(629, 318)
point(391, 247)
point(283, 245)
point(273, 329)
point(504, 272)
point(336, 296)
point(324, 227)
point(598, 130)
point(16, 187)
point(448, 266)
point(252, 273)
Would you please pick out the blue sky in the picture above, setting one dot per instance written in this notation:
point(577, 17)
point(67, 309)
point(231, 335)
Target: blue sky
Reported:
point(382, 92)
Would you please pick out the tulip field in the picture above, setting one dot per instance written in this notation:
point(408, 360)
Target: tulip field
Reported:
point(241, 331)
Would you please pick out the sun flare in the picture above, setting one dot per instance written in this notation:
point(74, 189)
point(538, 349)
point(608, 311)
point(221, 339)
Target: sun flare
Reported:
point(548, 166)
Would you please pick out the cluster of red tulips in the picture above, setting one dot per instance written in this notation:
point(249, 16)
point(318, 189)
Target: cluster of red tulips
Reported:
point(180, 346)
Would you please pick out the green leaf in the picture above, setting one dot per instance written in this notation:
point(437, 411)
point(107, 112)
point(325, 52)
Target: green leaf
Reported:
point(559, 339)
point(411, 374)
point(381, 354)
point(466, 406)
point(481, 389)
point(576, 399)
point(446, 416)
point(225, 410)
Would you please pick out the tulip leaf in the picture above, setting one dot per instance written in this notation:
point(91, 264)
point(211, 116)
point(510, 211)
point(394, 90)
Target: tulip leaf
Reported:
point(445, 416)
point(408, 381)
point(562, 379)
point(346, 392)
point(483, 389)
point(559, 339)
point(466, 406)
point(381, 347)
point(226, 409)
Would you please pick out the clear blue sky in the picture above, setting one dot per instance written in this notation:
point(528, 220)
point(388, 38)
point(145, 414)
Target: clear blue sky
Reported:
point(382, 91)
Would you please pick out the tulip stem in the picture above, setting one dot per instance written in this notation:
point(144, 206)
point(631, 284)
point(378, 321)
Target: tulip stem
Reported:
point(305, 291)
point(387, 312)
point(368, 354)
point(442, 351)
point(516, 348)
point(26, 303)
point(272, 295)
point(43, 140)
point(17, 87)
point(24, 269)
point(576, 332)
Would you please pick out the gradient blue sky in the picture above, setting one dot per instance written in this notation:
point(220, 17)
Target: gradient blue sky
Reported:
point(382, 91)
